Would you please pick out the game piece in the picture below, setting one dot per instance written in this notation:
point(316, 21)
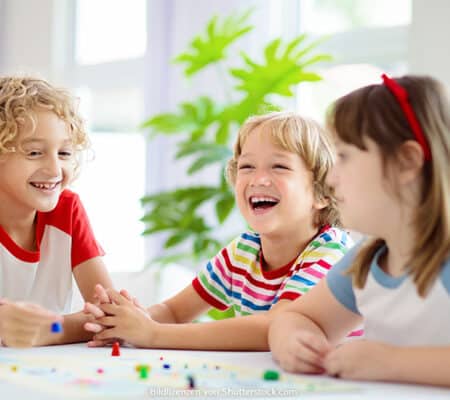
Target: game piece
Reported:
point(191, 382)
point(14, 368)
point(100, 370)
point(166, 366)
point(271, 375)
point(56, 327)
point(115, 349)
point(143, 372)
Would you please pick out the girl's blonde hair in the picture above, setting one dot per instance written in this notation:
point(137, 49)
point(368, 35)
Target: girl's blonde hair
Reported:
point(21, 97)
point(373, 112)
point(304, 137)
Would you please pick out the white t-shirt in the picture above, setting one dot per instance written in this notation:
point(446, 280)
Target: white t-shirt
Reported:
point(392, 309)
point(64, 239)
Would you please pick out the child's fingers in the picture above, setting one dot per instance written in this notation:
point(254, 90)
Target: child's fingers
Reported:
point(125, 294)
point(314, 343)
point(108, 321)
point(96, 311)
point(138, 305)
point(116, 297)
point(109, 309)
point(309, 357)
point(332, 365)
point(93, 327)
point(101, 294)
point(298, 365)
point(107, 334)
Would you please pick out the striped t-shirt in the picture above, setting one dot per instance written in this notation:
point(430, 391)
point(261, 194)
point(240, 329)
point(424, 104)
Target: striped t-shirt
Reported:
point(235, 278)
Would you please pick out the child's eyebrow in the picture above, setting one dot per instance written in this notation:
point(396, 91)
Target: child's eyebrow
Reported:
point(39, 141)
point(276, 155)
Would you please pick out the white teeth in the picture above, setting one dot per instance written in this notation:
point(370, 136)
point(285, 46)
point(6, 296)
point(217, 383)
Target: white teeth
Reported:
point(254, 200)
point(47, 186)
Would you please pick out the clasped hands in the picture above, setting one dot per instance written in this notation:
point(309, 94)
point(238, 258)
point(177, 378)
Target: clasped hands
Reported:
point(116, 316)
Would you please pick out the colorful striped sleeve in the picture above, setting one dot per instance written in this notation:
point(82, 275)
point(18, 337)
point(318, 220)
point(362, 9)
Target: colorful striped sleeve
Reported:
point(213, 282)
point(315, 262)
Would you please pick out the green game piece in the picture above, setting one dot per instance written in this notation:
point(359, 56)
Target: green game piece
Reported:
point(271, 375)
point(143, 373)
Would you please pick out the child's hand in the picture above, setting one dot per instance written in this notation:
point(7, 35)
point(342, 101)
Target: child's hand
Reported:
point(360, 359)
point(301, 352)
point(95, 312)
point(22, 324)
point(126, 320)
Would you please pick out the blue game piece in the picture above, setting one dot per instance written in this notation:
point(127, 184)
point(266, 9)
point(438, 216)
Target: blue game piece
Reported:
point(166, 366)
point(56, 327)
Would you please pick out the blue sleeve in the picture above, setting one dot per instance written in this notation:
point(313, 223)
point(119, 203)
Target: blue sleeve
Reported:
point(340, 284)
point(445, 275)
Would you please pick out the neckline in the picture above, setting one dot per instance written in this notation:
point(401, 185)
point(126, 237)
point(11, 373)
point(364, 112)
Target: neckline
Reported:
point(18, 251)
point(383, 278)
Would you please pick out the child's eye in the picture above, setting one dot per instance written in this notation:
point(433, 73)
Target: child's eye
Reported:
point(280, 166)
point(34, 153)
point(65, 154)
point(244, 166)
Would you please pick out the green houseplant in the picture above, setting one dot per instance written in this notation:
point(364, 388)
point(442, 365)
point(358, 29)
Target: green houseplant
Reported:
point(205, 128)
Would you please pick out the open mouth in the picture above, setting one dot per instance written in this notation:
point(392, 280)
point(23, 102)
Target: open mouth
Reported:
point(45, 186)
point(263, 202)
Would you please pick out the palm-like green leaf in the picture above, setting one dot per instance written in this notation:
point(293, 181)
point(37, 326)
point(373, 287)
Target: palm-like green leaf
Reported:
point(212, 48)
point(192, 117)
point(280, 72)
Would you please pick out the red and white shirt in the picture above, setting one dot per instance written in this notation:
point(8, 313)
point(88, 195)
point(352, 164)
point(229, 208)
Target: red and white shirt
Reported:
point(64, 240)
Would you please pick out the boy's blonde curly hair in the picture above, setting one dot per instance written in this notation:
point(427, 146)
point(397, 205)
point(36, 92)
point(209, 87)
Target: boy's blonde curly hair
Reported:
point(21, 97)
point(304, 137)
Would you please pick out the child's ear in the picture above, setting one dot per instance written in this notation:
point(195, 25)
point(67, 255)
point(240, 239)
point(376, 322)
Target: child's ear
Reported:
point(410, 160)
point(321, 202)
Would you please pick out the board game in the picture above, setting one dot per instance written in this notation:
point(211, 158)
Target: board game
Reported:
point(169, 376)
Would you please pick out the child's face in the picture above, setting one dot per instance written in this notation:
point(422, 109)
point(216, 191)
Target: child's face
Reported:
point(273, 188)
point(361, 188)
point(32, 177)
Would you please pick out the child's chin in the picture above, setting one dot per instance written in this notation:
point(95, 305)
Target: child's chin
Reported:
point(50, 206)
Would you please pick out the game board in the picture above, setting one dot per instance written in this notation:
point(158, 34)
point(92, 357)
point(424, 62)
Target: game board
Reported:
point(88, 376)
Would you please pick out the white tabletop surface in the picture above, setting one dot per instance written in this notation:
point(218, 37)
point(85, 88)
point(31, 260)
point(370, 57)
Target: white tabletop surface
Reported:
point(365, 390)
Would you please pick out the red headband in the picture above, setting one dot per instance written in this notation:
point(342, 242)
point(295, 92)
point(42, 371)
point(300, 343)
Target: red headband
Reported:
point(401, 95)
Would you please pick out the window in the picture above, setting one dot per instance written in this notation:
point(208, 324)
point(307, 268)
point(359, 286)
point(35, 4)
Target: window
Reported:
point(330, 16)
point(109, 30)
point(106, 71)
point(364, 39)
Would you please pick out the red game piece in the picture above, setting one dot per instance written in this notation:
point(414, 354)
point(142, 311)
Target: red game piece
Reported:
point(115, 349)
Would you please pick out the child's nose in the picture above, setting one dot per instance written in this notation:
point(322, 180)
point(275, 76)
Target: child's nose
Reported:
point(261, 178)
point(52, 165)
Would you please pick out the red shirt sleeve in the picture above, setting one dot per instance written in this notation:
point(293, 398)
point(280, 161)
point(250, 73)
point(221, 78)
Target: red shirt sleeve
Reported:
point(84, 244)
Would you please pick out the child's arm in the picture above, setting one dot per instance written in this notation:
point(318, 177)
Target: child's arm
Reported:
point(87, 275)
point(302, 336)
point(130, 324)
point(184, 307)
point(369, 360)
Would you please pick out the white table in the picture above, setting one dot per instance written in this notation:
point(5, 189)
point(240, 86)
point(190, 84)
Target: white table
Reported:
point(365, 390)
